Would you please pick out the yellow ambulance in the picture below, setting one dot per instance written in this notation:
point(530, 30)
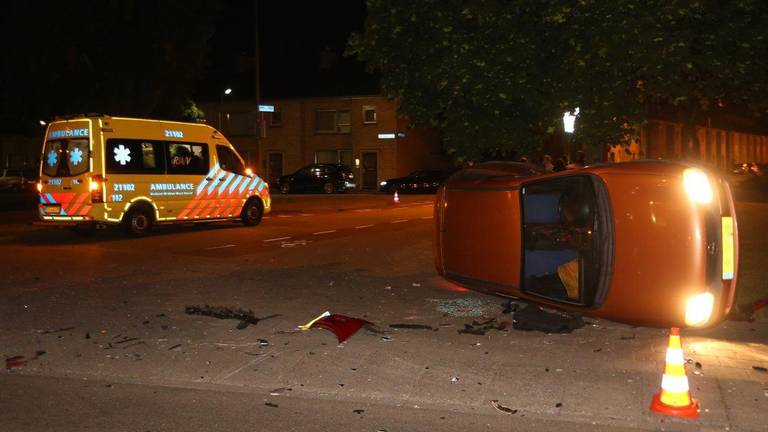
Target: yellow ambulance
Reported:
point(98, 170)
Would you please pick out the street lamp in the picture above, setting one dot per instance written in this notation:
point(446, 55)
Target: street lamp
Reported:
point(227, 91)
point(569, 120)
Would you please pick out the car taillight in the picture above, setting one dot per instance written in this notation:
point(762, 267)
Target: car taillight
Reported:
point(96, 186)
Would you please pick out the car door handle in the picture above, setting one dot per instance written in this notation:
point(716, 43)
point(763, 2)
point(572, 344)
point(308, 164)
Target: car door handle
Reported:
point(67, 188)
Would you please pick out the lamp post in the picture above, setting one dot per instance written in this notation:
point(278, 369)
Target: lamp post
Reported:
point(569, 126)
point(227, 91)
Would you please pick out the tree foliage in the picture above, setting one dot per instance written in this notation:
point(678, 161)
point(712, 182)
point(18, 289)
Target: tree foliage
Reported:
point(497, 75)
point(126, 57)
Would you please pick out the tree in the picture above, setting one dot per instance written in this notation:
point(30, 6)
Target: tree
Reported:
point(128, 57)
point(497, 76)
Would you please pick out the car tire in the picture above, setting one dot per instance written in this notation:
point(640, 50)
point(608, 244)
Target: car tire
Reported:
point(138, 221)
point(285, 188)
point(329, 188)
point(252, 212)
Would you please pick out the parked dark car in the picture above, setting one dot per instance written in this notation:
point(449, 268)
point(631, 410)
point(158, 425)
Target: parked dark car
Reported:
point(326, 178)
point(421, 181)
point(18, 179)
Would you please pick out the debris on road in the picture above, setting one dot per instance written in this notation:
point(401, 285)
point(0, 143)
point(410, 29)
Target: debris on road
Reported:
point(760, 368)
point(506, 410)
point(280, 391)
point(534, 318)
point(19, 361)
point(510, 306)
point(481, 328)
point(342, 326)
point(174, 347)
point(271, 405)
point(245, 317)
point(358, 411)
point(455, 379)
point(55, 331)
point(411, 326)
point(308, 325)
point(462, 308)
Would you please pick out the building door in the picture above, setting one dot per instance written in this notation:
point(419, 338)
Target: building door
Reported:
point(370, 170)
point(275, 168)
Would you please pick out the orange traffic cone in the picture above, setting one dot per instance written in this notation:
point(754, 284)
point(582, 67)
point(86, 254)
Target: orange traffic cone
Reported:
point(396, 198)
point(675, 395)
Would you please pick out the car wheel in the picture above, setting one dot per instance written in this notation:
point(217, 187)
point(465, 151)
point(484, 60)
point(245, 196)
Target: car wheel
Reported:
point(252, 212)
point(328, 188)
point(285, 188)
point(138, 221)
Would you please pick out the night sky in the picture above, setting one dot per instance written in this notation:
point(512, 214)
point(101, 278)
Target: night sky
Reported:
point(301, 50)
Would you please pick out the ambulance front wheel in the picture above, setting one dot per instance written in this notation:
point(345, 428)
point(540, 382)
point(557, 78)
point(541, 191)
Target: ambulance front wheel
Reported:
point(252, 212)
point(138, 221)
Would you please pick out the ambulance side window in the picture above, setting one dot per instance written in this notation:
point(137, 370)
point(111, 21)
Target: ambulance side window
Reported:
point(125, 156)
point(188, 159)
point(229, 161)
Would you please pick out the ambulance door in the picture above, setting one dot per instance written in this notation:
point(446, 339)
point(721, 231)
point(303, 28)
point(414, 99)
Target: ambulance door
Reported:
point(190, 181)
point(133, 167)
point(237, 184)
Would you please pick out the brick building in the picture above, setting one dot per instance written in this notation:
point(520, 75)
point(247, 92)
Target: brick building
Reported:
point(362, 132)
point(718, 147)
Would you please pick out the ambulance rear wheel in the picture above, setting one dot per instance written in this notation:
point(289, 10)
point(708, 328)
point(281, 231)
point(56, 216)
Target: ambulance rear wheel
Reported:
point(252, 212)
point(138, 221)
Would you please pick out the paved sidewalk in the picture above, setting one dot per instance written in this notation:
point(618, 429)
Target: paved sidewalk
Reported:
point(604, 373)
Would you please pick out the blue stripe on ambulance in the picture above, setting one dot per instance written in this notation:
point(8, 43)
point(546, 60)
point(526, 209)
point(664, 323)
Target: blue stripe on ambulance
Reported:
point(243, 186)
point(202, 184)
point(226, 182)
point(234, 184)
point(215, 181)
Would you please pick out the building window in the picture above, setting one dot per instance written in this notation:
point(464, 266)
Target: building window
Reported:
point(343, 157)
point(276, 118)
point(369, 114)
point(332, 121)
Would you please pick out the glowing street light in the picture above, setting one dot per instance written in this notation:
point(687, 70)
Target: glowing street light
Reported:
point(42, 122)
point(227, 91)
point(569, 120)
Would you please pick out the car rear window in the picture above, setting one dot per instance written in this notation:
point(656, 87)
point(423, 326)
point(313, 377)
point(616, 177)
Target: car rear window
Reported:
point(66, 158)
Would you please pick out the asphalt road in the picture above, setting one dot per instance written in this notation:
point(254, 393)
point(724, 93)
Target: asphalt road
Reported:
point(121, 354)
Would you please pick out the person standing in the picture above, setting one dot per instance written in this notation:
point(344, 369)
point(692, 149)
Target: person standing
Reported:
point(547, 163)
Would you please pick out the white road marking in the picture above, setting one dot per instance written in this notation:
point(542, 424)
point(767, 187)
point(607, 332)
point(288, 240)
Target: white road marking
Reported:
point(284, 216)
point(220, 247)
point(276, 239)
point(324, 232)
point(428, 217)
point(363, 226)
point(306, 214)
point(399, 221)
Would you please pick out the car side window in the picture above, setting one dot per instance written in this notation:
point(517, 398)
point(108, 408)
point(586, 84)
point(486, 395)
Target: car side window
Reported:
point(229, 161)
point(134, 157)
point(186, 158)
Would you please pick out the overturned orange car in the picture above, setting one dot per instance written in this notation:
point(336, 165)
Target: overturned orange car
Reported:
point(651, 243)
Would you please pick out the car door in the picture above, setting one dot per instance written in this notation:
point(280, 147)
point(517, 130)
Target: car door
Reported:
point(191, 180)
